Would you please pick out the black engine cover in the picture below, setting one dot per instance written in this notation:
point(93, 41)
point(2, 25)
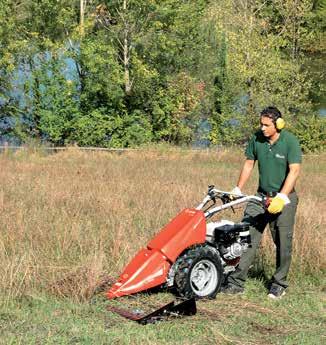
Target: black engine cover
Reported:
point(228, 233)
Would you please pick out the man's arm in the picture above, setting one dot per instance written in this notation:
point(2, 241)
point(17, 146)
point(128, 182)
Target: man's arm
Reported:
point(282, 199)
point(245, 173)
point(294, 170)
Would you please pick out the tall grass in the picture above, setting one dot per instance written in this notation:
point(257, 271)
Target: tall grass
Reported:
point(69, 220)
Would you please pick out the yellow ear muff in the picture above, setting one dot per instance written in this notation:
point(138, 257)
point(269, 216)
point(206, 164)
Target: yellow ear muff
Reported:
point(280, 123)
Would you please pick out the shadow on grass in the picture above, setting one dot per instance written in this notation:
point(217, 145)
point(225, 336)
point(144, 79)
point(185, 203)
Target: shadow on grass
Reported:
point(261, 275)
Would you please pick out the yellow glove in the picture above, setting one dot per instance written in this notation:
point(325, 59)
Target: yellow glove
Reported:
point(278, 203)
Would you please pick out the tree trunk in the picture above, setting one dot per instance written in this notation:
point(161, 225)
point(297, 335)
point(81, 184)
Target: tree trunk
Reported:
point(126, 52)
point(296, 17)
point(82, 15)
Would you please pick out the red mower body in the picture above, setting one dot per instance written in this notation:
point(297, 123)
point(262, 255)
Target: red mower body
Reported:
point(150, 267)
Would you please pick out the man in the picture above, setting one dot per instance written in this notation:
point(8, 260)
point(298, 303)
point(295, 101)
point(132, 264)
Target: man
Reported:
point(279, 156)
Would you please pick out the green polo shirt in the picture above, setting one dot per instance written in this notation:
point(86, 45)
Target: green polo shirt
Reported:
point(273, 160)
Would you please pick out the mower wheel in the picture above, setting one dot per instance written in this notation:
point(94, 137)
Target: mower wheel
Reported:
point(199, 273)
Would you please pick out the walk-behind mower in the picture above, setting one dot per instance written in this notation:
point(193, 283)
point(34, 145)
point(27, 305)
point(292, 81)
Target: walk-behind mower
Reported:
point(190, 255)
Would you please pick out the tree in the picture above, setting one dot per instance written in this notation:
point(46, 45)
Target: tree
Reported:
point(10, 112)
point(38, 82)
point(126, 21)
point(152, 40)
point(259, 70)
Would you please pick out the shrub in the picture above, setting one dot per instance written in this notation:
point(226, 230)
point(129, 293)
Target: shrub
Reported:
point(311, 132)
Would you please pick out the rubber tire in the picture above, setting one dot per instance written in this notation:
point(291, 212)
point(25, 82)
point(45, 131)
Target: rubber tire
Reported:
point(187, 261)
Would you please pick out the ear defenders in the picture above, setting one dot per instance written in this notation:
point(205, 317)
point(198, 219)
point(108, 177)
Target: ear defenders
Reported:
point(279, 123)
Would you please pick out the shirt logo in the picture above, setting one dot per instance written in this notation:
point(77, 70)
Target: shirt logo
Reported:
point(279, 156)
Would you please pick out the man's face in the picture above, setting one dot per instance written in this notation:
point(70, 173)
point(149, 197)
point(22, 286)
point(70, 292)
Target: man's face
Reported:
point(267, 126)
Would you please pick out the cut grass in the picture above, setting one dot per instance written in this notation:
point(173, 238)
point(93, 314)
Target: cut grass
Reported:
point(298, 318)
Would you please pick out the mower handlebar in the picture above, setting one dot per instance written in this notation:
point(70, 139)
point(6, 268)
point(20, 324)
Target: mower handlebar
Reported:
point(229, 200)
point(241, 200)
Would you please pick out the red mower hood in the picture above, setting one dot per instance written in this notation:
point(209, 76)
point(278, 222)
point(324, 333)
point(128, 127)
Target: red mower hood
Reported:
point(150, 267)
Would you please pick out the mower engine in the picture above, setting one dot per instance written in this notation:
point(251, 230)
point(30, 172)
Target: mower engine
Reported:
point(231, 240)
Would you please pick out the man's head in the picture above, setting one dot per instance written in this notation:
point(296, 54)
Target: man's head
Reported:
point(271, 121)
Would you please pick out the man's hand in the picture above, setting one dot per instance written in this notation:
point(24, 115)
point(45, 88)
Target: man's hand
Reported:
point(278, 203)
point(236, 191)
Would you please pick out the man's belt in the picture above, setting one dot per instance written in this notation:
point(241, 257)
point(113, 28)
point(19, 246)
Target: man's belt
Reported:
point(270, 194)
point(265, 193)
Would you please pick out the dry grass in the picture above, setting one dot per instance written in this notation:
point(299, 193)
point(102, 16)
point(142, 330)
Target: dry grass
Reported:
point(70, 219)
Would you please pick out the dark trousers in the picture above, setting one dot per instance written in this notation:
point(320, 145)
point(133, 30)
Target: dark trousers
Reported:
point(281, 227)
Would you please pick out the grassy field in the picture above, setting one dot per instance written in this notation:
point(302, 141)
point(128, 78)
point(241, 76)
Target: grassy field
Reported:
point(69, 220)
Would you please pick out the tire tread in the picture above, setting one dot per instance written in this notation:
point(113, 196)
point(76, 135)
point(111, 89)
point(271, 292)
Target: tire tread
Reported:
point(187, 260)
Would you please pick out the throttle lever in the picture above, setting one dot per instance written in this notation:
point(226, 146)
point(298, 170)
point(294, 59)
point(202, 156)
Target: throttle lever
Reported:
point(211, 194)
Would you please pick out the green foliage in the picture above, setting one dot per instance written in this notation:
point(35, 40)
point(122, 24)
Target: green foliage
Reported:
point(175, 115)
point(111, 130)
point(94, 129)
point(101, 75)
point(311, 132)
point(255, 72)
point(48, 19)
point(52, 98)
point(173, 41)
point(154, 70)
point(136, 130)
point(315, 39)
point(227, 129)
point(7, 59)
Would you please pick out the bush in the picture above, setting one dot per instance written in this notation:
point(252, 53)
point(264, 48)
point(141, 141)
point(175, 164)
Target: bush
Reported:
point(112, 130)
point(311, 132)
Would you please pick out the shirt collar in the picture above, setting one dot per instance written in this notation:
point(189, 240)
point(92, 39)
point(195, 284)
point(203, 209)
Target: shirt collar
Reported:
point(279, 139)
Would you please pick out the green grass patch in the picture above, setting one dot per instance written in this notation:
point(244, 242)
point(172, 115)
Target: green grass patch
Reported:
point(298, 318)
